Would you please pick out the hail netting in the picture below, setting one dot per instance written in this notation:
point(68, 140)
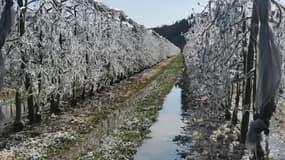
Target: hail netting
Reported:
point(269, 59)
point(268, 74)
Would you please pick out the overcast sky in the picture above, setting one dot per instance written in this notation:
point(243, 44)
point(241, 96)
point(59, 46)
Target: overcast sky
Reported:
point(153, 13)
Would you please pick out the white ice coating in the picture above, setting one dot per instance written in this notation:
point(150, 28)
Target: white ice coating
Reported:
point(81, 42)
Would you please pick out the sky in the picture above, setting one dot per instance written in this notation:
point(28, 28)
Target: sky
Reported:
point(152, 13)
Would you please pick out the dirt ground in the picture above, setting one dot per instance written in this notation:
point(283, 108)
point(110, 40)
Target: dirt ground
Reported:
point(57, 134)
point(206, 135)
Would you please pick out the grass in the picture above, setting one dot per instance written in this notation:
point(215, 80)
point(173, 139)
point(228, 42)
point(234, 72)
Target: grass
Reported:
point(173, 67)
point(131, 135)
point(166, 75)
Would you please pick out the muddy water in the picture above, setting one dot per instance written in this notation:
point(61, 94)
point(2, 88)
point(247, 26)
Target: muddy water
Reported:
point(160, 145)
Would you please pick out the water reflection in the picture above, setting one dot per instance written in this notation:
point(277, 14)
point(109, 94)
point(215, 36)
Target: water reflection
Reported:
point(2, 116)
point(169, 125)
point(8, 114)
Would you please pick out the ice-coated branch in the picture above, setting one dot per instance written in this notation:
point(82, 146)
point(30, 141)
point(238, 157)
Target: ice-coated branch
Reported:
point(6, 23)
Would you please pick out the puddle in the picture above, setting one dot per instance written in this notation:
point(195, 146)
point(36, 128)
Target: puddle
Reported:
point(160, 145)
point(8, 114)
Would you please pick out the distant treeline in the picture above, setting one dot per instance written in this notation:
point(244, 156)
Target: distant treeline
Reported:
point(174, 32)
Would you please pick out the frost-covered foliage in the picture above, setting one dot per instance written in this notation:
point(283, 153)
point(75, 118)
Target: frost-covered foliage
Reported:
point(76, 45)
point(218, 42)
point(231, 51)
point(38, 147)
point(6, 23)
point(214, 48)
point(279, 28)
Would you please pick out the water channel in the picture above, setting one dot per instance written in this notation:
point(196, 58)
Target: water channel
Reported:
point(160, 145)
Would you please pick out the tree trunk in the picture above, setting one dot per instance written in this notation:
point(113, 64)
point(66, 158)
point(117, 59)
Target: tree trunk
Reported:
point(254, 93)
point(249, 65)
point(30, 101)
point(229, 104)
point(237, 99)
point(83, 91)
point(91, 91)
point(18, 125)
point(52, 104)
point(18, 106)
point(22, 18)
point(73, 101)
point(57, 98)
